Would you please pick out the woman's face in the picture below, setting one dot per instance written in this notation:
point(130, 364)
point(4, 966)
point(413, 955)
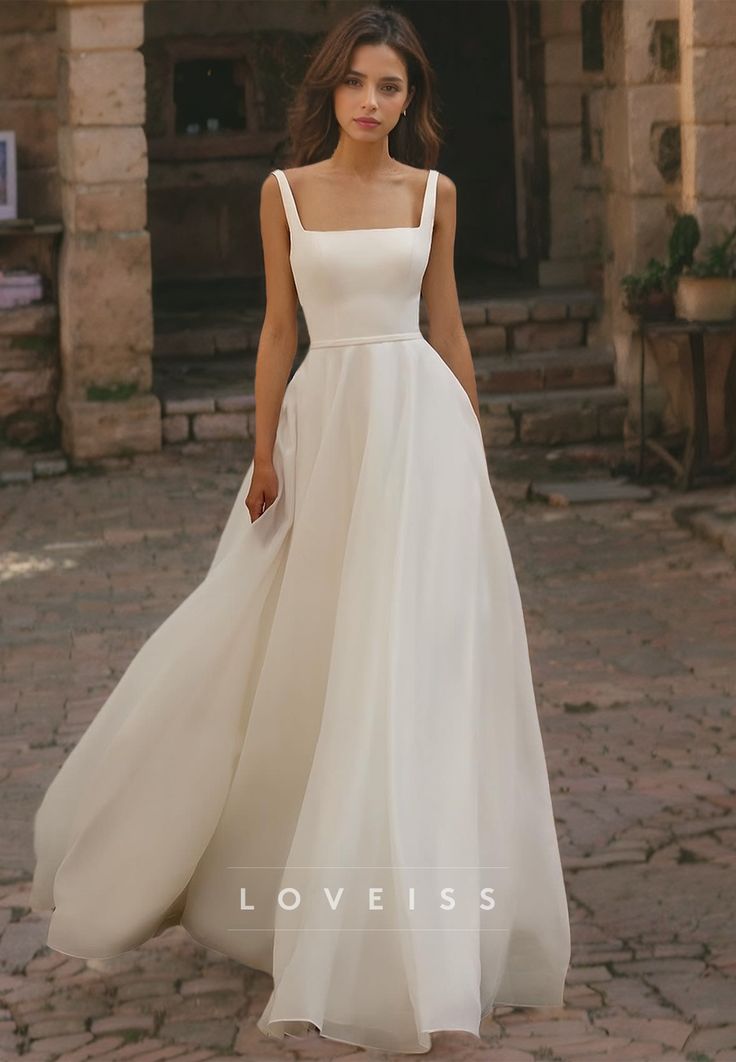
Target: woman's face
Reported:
point(375, 87)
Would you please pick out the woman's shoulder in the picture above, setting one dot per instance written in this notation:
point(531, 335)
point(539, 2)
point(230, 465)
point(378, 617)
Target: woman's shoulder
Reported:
point(444, 183)
point(298, 173)
point(446, 191)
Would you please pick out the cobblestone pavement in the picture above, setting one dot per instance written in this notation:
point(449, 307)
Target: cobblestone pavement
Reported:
point(632, 630)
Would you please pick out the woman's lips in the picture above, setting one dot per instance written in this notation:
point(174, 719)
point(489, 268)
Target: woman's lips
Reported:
point(366, 121)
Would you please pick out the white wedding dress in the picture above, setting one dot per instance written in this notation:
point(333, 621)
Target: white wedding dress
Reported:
point(344, 701)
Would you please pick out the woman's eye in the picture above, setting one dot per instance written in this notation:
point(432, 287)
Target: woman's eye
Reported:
point(354, 81)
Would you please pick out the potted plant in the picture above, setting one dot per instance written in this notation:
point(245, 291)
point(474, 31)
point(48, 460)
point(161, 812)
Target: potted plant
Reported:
point(706, 290)
point(650, 294)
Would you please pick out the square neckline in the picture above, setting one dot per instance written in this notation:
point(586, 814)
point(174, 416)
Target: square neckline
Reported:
point(385, 228)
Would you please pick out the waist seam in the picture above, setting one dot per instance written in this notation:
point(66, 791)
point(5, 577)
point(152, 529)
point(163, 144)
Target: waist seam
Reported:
point(346, 341)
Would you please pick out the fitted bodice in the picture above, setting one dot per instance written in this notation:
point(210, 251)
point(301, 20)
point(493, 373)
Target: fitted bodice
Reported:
point(359, 282)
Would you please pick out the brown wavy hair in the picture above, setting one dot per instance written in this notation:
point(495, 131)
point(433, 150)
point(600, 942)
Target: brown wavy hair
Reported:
point(312, 126)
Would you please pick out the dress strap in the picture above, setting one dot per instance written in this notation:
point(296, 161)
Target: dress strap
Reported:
point(292, 214)
point(295, 223)
point(430, 199)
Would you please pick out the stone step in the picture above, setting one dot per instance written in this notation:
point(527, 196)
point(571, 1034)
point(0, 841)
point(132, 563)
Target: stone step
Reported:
point(204, 406)
point(515, 371)
point(539, 377)
point(547, 370)
point(552, 417)
point(530, 319)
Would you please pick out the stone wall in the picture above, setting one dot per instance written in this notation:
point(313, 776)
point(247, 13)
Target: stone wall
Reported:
point(708, 117)
point(708, 100)
point(29, 348)
point(571, 122)
point(642, 103)
point(28, 73)
point(669, 145)
point(105, 302)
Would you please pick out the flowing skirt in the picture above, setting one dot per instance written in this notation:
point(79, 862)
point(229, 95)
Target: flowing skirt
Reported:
point(334, 736)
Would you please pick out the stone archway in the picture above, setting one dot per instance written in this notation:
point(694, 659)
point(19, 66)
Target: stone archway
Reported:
point(106, 321)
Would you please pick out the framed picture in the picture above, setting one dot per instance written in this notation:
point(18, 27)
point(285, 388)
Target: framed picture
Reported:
point(8, 180)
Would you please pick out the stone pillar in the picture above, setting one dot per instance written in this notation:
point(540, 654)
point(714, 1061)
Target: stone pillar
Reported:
point(708, 107)
point(106, 318)
point(708, 100)
point(563, 78)
point(641, 174)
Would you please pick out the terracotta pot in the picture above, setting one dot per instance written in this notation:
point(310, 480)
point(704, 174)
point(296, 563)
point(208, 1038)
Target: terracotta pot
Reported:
point(706, 298)
point(655, 306)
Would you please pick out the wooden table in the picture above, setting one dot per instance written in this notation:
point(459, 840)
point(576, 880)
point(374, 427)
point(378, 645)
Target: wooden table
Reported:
point(697, 455)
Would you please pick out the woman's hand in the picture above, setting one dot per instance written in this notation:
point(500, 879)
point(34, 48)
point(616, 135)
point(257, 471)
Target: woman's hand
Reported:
point(263, 490)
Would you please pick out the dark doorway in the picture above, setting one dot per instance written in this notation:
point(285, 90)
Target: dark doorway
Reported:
point(468, 43)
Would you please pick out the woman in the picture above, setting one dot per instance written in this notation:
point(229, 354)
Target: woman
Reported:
point(327, 762)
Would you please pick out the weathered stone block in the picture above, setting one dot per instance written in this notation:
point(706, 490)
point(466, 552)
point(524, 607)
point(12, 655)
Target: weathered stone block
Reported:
point(176, 428)
point(497, 424)
point(16, 475)
point(35, 128)
point(563, 61)
point(43, 467)
point(102, 373)
point(566, 222)
point(29, 65)
point(487, 339)
point(559, 425)
point(649, 107)
point(559, 17)
point(548, 334)
point(549, 310)
point(27, 353)
point(563, 105)
point(708, 156)
point(18, 16)
point(507, 311)
point(709, 90)
point(639, 21)
point(203, 404)
point(564, 155)
point(106, 308)
point(220, 426)
point(102, 88)
point(110, 429)
point(583, 308)
point(473, 312)
point(107, 25)
point(611, 421)
point(714, 215)
point(236, 403)
point(709, 22)
point(108, 207)
point(554, 272)
point(32, 390)
point(41, 319)
point(106, 154)
point(511, 377)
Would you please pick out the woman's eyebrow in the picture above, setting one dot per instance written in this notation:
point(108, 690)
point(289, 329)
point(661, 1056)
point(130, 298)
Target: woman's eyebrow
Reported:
point(387, 77)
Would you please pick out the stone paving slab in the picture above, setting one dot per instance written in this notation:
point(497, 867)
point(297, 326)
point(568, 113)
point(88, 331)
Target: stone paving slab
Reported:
point(713, 518)
point(632, 628)
point(576, 491)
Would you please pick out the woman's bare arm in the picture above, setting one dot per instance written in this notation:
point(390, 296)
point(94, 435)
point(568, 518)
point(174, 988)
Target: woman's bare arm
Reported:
point(439, 288)
point(278, 338)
